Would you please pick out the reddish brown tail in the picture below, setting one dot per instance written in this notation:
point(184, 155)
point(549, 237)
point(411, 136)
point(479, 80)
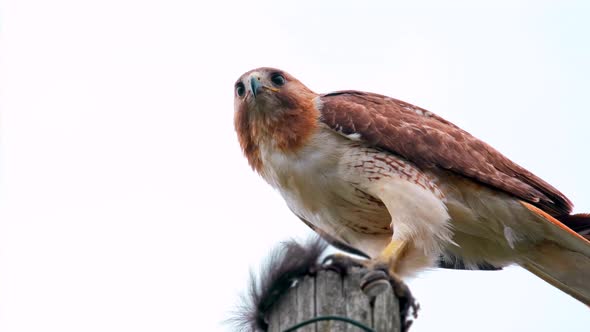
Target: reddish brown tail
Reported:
point(563, 258)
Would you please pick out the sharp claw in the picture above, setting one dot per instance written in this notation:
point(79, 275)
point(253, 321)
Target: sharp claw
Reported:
point(338, 269)
point(340, 263)
point(328, 259)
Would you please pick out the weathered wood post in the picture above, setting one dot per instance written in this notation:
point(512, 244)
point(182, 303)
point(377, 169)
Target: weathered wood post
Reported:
point(329, 293)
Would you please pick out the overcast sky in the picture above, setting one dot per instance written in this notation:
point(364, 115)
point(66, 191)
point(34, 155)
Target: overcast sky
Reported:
point(126, 204)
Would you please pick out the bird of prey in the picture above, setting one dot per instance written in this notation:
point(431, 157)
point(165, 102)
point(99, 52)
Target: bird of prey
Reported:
point(381, 178)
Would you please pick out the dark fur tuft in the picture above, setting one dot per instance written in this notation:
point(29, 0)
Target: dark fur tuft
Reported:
point(287, 263)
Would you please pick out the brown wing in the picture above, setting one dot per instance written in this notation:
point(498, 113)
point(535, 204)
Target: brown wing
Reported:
point(430, 141)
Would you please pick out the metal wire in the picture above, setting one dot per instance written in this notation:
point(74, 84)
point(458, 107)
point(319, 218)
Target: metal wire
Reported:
point(337, 318)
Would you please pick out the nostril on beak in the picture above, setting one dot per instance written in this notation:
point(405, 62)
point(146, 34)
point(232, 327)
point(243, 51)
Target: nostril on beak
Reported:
point(255, 85)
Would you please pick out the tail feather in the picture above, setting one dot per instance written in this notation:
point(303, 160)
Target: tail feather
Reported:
point(565, 269)
point(563, 259)
point(579, 223)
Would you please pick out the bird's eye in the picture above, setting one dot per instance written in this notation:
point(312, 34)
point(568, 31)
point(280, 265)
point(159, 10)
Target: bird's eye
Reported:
point(277, 79)
point(240, 89)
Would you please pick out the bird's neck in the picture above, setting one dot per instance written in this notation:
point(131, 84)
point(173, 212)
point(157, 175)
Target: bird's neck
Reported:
point(285, 130)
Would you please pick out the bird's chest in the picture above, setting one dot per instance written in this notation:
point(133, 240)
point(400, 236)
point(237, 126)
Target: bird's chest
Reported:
point(318, 187)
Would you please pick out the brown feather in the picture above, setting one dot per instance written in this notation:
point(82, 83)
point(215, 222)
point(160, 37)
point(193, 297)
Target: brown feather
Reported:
point(430, 141)
point(287, 127)
point(580, 223)
point(249, 146)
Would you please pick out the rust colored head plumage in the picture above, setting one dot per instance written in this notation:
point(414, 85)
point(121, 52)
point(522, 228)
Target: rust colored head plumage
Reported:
point(272, 108)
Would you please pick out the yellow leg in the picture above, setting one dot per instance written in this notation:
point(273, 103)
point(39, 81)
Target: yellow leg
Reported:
point(382, 275)
point(392, 254)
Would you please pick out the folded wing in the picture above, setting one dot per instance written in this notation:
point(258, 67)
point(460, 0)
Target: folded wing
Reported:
point(430, 141)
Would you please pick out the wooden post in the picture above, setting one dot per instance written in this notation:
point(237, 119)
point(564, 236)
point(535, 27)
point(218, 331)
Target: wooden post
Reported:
point(328, 293)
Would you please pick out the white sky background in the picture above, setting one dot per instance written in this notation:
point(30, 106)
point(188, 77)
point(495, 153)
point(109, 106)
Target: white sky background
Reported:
point(126, 204)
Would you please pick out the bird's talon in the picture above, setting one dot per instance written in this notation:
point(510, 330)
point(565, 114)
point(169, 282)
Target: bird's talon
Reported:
point(340, 263)
point(374, 283)
point(380, 279)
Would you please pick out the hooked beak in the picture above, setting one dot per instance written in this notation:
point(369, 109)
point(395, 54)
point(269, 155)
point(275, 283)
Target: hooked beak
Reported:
point(255, 85)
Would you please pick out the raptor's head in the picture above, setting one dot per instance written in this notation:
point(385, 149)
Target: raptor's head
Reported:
point(274, 109)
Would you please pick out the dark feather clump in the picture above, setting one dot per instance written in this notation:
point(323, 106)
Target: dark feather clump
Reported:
point(450, 261)
point(579, 223)
point(287, 263)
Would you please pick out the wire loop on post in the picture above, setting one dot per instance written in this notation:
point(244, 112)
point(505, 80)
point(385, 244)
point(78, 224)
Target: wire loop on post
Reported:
point(337, 318)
